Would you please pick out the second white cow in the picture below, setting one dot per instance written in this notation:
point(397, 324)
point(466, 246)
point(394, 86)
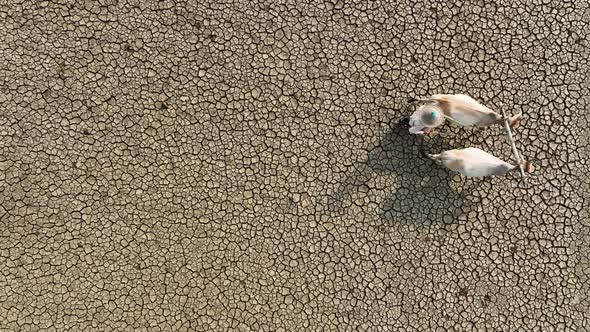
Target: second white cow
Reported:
point(473, 162)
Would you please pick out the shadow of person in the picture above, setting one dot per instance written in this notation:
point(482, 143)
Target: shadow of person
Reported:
point(424, 193)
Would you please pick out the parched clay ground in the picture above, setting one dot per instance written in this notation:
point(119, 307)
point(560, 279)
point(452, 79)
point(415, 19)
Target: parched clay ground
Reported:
point(230, 165)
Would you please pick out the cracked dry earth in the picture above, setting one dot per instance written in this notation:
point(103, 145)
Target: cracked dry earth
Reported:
point(230, 165)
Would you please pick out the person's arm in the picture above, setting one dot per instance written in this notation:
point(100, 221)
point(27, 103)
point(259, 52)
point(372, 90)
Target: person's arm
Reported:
point(417, 130)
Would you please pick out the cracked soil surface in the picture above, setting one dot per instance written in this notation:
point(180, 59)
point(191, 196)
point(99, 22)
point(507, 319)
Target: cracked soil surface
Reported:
point(234, 165)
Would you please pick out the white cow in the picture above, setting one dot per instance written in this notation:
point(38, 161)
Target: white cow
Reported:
point(473, 162)
point(459, 108)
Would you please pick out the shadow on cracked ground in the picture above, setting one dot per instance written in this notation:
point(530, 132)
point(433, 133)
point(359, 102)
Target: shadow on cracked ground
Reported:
point(424, 192)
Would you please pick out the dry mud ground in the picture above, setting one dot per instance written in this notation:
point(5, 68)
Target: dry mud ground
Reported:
point(229, 165)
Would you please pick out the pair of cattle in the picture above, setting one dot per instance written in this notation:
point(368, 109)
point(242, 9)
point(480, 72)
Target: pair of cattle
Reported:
point(465, 111)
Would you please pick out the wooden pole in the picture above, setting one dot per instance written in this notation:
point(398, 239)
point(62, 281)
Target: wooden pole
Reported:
point(514, 151)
